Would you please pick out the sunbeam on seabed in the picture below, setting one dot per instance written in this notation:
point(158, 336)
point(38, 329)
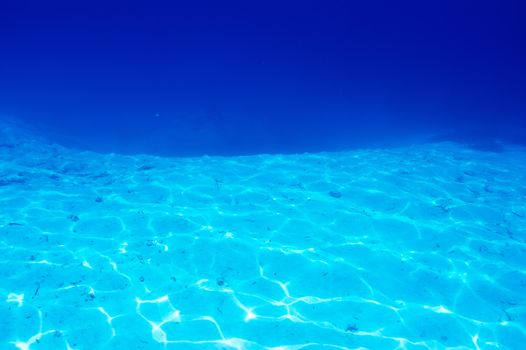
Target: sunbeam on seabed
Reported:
point(410, 248)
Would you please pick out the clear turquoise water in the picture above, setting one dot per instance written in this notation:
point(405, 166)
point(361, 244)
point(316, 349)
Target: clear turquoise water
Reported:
point(407, 248)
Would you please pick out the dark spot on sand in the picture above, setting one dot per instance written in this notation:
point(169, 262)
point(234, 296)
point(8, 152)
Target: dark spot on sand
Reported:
point(36, 291)
point(507, 315)
point(351, 328)
point(145, 167)
point(73, 218)
point(335, 194)
point(12, 181)
point(220, 282)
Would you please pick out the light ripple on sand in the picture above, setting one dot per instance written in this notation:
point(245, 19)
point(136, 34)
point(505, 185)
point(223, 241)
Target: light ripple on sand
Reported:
point(413, 248)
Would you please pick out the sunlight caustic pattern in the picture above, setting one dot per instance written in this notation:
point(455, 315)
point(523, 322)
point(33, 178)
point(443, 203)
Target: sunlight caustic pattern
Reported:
point(414, 248)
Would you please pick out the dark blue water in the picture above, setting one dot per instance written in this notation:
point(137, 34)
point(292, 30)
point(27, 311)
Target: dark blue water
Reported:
point(192, 78)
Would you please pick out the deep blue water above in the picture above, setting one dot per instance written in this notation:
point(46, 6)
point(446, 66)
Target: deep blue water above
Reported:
point(235, 78)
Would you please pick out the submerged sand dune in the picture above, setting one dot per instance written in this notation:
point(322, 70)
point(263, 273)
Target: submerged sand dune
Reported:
point(410, 248)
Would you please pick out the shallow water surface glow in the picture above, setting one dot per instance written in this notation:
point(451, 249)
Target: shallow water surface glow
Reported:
point(406, 248)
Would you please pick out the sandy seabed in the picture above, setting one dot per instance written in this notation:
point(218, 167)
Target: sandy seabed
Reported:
point(407, 248)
